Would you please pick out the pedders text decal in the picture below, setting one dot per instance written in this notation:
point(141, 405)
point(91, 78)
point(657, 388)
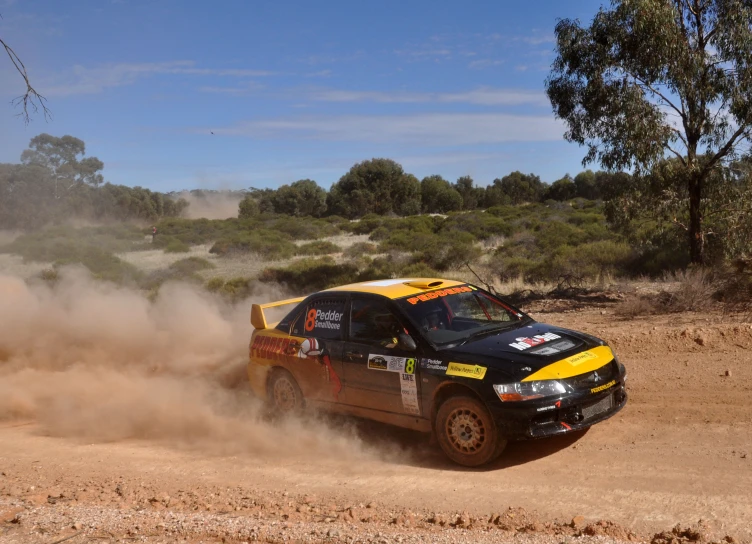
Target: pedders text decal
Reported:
point(425, 297)
point(273, 347)
point(529, 342)
point(277, 348)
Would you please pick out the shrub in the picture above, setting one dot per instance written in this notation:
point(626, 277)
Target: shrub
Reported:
point(481, 225)
point(635, 306)
point(266, 243)
point(367, 224)
point(359, 249)
point(55, 243)
point(309, 275)
point(234, 290)
point(319, 247)
point(419, 270)
point(102, 264)
point(176, 246)
point(190, 265)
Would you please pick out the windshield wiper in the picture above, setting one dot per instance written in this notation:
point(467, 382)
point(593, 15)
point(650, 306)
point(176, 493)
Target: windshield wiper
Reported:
point(484, 332)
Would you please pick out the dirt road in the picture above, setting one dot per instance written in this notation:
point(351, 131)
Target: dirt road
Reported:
point(680, 452)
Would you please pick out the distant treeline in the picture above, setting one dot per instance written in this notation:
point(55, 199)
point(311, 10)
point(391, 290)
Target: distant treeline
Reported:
point(56, 182)
point(382, 187)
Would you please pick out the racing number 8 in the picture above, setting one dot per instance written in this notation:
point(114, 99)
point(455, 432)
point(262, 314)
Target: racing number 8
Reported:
point(410, 366)
point(310, 322)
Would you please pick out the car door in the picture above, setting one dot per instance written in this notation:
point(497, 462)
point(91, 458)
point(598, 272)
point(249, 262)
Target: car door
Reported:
point(378, 373)
point(317, 335)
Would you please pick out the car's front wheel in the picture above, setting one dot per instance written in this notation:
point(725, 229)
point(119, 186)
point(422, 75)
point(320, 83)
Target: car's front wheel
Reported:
point(285, 395)
point(467, 433)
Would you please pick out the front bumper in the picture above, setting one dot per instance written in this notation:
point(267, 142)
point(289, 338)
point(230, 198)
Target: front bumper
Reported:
point(570, 413)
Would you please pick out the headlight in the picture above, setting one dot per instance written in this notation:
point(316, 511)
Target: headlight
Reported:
point(528, 390)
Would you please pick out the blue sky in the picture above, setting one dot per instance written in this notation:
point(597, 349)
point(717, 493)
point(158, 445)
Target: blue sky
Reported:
point(291, 90)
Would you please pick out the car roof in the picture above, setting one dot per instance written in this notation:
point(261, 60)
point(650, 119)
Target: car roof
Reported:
point(399, 287)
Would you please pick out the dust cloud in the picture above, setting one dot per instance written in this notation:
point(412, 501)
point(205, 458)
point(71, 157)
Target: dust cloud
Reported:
point(93, 361)
point(212, 205)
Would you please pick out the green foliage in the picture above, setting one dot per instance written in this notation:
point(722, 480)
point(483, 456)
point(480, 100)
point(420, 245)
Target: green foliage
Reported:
point(319, 247)
point(377, 186)
point(53, 185)
point(176, 246)
point(268, 244)
point(51, 244)
point(480, 225)
point(359, 249)
point(438, 196)
point(515, 188)
point(614, 82)
point(248, 207)
point(472, 197)
point(234, 289)
point(304, 197)
point(562, 189)
point(308, 275)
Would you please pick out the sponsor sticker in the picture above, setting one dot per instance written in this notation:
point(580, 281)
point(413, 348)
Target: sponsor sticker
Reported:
point(391, 364)
point(546, 408)
point(431, 295)
point(603, 387)
point(376, 362)
point(433, 364)
point(320, 319)
point(409, 389)
point(580, 358)
point(475, 372)
point(528, 342)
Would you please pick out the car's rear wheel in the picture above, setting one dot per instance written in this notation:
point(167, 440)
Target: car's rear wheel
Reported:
point(467, 433)
point(285, 395)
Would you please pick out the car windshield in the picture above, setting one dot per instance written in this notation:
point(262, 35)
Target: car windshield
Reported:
point(454, 315)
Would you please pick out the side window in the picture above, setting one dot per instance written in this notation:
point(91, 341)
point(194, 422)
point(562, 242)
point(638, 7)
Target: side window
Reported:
point(373, 322)
point(321, 318)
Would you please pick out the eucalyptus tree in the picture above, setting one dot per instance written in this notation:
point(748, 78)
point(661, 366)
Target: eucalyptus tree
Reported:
point(653, 79)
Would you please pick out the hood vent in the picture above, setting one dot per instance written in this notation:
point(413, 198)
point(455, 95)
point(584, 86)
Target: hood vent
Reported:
point(425, 284)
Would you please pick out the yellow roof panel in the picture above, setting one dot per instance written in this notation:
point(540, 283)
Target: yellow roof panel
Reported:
point(398, 288)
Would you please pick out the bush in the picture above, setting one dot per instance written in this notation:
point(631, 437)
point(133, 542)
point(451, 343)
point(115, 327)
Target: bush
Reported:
point(359, 249)
point(102, 264)
point(55, 243)
point(234, 290)
point(176, 246)
point(190, 265)
point(480, 225)
point(319, 247)
point(266, 243)
point(309, 275)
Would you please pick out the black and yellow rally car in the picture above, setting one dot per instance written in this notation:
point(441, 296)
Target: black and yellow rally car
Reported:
point(436, 356)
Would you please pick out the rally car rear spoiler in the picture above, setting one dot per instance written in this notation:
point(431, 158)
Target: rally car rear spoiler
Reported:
point(258, 319)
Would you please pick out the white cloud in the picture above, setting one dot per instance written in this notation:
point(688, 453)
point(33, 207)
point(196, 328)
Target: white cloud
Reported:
point(484, 63)
point(235, 91)
point(486, 96)
point(433, 129)
point(83, 80)
point(538, 40)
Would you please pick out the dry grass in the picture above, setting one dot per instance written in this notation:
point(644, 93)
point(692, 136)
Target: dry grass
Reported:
point(151, 260)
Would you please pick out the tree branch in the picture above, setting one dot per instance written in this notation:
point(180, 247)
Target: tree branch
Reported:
point(681, 157)
point(31, 97)
point(655, 91)
point(722, 152)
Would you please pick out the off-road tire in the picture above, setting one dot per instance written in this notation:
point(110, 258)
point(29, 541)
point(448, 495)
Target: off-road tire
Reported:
point(284, 394)
point(467, 433)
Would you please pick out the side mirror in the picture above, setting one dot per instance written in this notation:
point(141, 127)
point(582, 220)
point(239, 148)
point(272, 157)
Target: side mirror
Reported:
point(406, 342)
